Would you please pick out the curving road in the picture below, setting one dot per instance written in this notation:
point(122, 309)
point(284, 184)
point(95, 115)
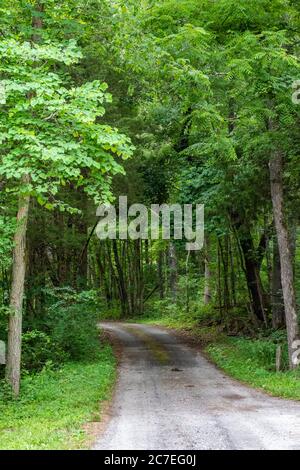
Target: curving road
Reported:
point(169, 397)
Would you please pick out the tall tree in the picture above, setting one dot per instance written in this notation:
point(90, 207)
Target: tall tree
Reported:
point(49, 134)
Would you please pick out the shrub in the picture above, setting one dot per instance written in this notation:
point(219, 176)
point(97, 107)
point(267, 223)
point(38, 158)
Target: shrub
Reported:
point(67, 330)
point(38, 348)
point(74, 329)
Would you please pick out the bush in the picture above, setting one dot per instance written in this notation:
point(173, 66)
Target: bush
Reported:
point(113, 313)
point(38, 348)
point(74, 329)
point(67, 330)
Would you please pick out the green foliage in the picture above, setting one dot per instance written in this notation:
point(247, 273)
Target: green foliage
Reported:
point(197, 85)
point(263, 352)
point(50, 131)
point(7, 228)
point(253, 362)
point(172, 314)
point(55, 404)
point(39, 349)
point(113, 313)
point(74, 329)
point(67, 331)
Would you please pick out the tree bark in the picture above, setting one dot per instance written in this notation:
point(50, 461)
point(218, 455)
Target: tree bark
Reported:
point(82, 270)
point(13, 367)
point(172, 271)
point(253, 280)
point(224, 258)
point(121, 280)
point(277, 298)
point(252, 261)
point(207, 273)
point(160, 274)
point(286, 260)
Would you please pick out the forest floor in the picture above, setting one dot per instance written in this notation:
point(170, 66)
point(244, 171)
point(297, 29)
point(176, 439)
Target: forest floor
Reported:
point(56, 404)
point(169, 396)
point(251, 361)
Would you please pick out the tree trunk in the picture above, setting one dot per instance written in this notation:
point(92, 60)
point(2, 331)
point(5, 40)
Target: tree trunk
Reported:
point(82, 270)
point(224, 258)
point(121, 281)
point(277, 298)
point(293, 242)
point(232, 273)
point(207, 274)
point(172, 271)
point(251, 259)
point(160, 274)
point(286, 261)
point(16, 297)
point(253, 278)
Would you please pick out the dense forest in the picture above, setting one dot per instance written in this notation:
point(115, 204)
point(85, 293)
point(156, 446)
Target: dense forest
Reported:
point(166, 102)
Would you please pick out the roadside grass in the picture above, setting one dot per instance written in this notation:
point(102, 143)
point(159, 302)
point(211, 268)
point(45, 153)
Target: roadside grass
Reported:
point(55, 404)
point(251, 361)
point(240, 358)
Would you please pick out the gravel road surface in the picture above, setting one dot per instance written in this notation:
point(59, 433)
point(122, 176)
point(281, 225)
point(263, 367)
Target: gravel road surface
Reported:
point(169, 397)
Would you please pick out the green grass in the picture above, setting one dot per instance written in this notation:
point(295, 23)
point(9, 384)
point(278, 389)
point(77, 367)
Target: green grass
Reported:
point(244, 360)
point(165, 313)
point(55, 404)
point(167, 321)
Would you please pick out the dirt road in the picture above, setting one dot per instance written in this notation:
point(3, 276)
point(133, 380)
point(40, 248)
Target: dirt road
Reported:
point(169, 396)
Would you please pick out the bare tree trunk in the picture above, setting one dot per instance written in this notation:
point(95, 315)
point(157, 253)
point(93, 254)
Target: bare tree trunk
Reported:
point(277, 298)
point(207, 273)
point(82, 270)
point(253, 278)
point(251, 261)
point(13, 367)
point(104, 277)
point(172, 271)
point(224, 258)
point(219, 283)
point(187, 286)
point(124, 298)
point(293, 242)
point(232, 273)
point(160, 274)
point(286, 261)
